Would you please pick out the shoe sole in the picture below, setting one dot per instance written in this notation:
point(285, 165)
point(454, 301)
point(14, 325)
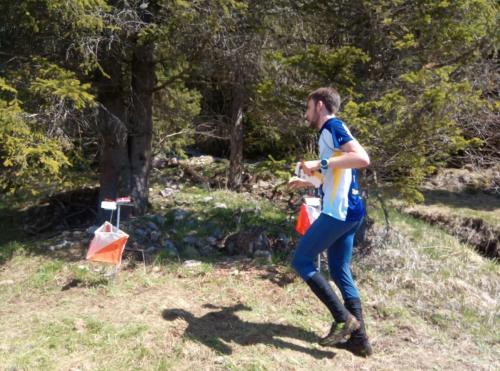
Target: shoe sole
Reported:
point(357, 350)
point(342, 336)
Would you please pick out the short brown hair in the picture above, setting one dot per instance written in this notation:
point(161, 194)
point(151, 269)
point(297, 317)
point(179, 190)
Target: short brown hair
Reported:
point(329, 96)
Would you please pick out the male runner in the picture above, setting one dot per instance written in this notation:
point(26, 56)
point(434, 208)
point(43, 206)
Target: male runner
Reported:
point(342, 213)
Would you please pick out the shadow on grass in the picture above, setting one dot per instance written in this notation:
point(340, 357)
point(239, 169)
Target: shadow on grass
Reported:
point(12, 236)
point(14, 239)
point(217, 328)
point(476, 201)
point(24, 221)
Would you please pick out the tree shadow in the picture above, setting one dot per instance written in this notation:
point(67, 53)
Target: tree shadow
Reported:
point(44, 219)
point(13, 238)
point(217, 328)
point(277, 277)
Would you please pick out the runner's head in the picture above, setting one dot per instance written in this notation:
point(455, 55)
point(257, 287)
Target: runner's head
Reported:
point(321, 102)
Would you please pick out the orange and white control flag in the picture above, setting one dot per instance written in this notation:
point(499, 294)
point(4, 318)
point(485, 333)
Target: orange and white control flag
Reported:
point(309, 212)
point(107, 245)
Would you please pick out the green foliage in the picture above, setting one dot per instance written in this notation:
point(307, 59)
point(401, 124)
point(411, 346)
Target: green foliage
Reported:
point(412, 75)
point(270, 137)
point(336, 66)
point(26, 154)
point(404, 73)
point(80, 14)
point(55, 85)
point(411, 132)
point(280, 97)
point(176, 107)
point(435, 30)
point(272, 168)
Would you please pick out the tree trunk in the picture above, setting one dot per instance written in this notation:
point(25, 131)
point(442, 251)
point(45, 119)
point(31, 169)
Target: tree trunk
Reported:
point(114, 176)
point(236, 141)
point(141, 124)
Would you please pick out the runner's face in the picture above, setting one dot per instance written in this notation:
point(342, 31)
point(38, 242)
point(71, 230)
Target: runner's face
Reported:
point(312, 115)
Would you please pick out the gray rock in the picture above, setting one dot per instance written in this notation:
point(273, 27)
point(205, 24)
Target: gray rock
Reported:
point(159, 161)
point(140, 234)
point(282, 242)
point(263, 254)
point(192, 263)
point(216, 232)
point(174, 161)
point(190, 240)
point(263, 184)
point(78, 234)
point(206, 250)
point(262, 243)
point(212, 241)
point(167, 244)
point(170, 249)
point(190, 252)
point(200, 160)
point(61, 245)
point(247, 242)
point(152, 226)
point(200, 243)
point(167, 192)
point(91, 230)
point(180, 214)
point(220, 205)
point(159, 220)
point(154, 236)
point(151, 249)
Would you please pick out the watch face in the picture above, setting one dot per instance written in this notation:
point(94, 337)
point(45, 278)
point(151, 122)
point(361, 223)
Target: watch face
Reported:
point(324, 164)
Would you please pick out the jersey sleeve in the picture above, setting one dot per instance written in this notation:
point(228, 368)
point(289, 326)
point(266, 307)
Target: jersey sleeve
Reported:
point(341, 133)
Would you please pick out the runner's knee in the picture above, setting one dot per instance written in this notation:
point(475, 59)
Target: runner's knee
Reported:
point(303, 266)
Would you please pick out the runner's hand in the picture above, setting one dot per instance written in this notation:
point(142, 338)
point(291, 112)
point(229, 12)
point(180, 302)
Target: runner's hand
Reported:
point(297, 183)
point(310, 166)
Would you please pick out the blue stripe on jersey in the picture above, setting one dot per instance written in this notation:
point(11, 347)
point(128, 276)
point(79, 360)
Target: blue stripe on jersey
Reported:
point(340, 133)
point(356, 208)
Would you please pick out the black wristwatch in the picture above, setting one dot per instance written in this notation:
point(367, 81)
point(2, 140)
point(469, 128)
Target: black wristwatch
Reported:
point(324, 164)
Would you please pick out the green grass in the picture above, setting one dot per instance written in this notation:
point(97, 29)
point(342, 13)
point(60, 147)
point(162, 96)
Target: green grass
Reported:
point(73, 335)
point(46, 274)
point(249, 210)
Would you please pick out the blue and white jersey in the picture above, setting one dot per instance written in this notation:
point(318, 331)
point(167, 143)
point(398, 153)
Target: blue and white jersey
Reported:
point(339, 190)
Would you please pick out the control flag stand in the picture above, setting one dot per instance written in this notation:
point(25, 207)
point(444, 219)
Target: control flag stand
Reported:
point(109, 241)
